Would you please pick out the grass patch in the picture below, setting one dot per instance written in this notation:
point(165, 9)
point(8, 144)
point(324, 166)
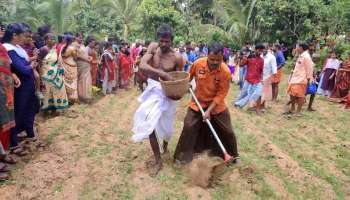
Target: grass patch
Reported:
point(58, 187)
point(54, 133)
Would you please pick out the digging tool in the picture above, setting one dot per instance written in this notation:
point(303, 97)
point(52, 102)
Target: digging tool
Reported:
point(227, 156)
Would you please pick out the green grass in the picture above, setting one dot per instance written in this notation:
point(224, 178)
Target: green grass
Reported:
point(317, 143)
point(58, 187)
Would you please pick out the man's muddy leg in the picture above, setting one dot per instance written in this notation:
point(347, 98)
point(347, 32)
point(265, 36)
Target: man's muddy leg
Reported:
point(156, 151)
point(165, 147)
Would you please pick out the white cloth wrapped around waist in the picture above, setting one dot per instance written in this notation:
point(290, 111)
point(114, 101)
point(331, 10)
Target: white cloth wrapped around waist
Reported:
point(156, 112)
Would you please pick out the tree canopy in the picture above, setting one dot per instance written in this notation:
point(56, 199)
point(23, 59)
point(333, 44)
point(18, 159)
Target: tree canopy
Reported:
point(231, 21)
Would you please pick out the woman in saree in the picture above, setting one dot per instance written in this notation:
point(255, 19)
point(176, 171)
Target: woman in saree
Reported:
point(108, 71)
point(329, 71)
point(92, 52)
point(26, 104)
point(124, 63)
point(67, 61)
point(7, 116)
point(342, 85)
point(84, 72)
point(55, 96)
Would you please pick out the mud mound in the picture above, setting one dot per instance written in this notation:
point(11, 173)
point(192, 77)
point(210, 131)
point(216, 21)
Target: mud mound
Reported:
point(202, 169)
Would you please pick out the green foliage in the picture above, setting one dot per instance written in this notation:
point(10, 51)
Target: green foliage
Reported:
point(4, 12)
point(323, 56)
point(342, 49)
point(154, 13)
point(289, 20)
point(230, 21)
point(90, 21)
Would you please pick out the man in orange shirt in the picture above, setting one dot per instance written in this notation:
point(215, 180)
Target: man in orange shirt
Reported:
point(212, 78)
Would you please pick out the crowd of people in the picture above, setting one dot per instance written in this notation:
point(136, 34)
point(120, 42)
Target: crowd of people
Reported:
point(42, 72)
point(260, 72)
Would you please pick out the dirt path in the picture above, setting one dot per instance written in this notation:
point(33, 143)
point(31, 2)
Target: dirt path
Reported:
point(92, 157)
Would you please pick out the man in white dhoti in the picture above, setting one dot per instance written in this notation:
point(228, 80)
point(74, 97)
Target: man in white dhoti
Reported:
point(270, 69)
point(155, 116)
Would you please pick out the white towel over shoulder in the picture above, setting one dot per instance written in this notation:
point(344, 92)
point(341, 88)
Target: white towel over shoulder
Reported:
point(156, 112)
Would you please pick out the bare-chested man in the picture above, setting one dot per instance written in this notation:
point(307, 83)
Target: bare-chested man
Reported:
point(156, 63)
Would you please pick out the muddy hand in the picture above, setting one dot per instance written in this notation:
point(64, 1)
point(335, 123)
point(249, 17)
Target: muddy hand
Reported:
point(167, 77)
point(207, 115)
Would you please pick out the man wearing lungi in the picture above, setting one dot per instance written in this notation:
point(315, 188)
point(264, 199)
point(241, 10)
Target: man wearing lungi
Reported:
point(270, 69)
point(212, 78)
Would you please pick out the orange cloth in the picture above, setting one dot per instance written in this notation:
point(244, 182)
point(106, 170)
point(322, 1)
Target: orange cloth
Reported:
point(94, 66)
point(297, 90)
point(276, 78)
point(210, 85)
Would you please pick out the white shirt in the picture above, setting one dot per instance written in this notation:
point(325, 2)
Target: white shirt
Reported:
point(270, 65)
point(333, 63)
point(185, 57)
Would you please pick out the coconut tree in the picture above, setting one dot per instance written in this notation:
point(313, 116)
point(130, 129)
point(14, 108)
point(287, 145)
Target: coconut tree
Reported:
point(28, 12)
point(236, 17)
point(125, 10)
point(39, 12)
point(58, 13)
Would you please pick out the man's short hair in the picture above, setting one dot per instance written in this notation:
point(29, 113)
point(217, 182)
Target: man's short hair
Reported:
point(304, 46)
point(216, 48)
point(108, 44)
point(259, 46)
point(26, 28)
point(165, 31)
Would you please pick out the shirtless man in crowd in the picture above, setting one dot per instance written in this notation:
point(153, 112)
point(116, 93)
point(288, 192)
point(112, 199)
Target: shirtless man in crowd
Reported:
point(160, 59)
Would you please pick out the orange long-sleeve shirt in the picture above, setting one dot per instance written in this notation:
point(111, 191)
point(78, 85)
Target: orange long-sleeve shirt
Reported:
point(211, 86)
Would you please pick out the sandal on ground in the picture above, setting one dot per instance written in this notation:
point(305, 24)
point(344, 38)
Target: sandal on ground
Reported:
point(298, 115)
point(41, 145)
point(31, 139)
point(287, 113)
point(9, 160)
point(4, 167)
point(19, 151)
point(4, 176)
point(236, 161)
point(22, 135)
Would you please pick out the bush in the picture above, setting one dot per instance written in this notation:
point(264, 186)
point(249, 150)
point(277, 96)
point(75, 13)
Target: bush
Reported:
point(342, 49)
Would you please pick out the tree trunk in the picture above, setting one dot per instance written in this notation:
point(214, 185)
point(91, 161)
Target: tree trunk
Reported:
point(13, 7)
point(126, 32)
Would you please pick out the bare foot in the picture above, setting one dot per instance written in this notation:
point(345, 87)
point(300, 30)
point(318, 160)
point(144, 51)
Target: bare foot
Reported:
point(288, 113)
point(4, 176)
point(259, 112)
point(155, 169)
